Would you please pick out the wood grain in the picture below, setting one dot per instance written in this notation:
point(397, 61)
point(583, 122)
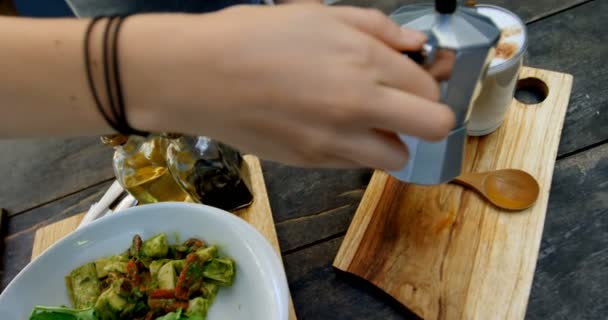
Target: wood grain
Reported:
point(572, 269)
point(311, 191)
point(297, 233)
point(47, 236)
point(442, 251)
point(22, 227)
point(570, 278)
point(320, 294)
point(35, 172)
point(258, 214)
point(573, 42)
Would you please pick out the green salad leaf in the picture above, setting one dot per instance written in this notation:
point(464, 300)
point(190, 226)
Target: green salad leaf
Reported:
point(62, 313)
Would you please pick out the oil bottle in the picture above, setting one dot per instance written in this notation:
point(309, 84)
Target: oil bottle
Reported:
point(141, 168)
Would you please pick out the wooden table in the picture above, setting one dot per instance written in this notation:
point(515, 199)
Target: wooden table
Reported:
point(43, 181)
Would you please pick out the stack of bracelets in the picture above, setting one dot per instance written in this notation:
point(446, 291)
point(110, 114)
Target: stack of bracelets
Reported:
point(113, 110)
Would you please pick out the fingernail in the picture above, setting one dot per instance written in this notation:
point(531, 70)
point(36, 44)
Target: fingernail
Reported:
point(414, 37)
point(420, 37)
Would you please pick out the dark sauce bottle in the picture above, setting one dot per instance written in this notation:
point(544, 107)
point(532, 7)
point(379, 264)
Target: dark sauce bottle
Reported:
point(210, 171)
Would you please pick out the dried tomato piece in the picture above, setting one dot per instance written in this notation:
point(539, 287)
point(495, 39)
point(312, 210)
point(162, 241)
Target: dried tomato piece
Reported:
point(133, 273)
point(191, 278)
point(162, 294)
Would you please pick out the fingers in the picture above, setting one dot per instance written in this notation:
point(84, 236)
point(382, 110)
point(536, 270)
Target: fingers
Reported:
point(404, 104)
point(397, 71)
point(386, 41)
point(397, 111)
point(444, 65)
point(374, 149)
point(379, 26)
point(290, 142)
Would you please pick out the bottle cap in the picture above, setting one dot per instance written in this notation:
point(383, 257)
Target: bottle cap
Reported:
point(114, 140)
point(445, 6)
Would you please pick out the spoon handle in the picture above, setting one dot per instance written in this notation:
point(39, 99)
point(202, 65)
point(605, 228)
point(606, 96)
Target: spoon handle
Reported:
point(470, 180)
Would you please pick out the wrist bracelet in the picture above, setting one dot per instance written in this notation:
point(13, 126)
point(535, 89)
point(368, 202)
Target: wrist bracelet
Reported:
point(114, 110)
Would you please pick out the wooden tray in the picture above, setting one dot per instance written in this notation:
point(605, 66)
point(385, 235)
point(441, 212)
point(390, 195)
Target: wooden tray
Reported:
point(442, 251)
point(258, 215)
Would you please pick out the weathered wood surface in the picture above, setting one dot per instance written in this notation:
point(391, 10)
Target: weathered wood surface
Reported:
point(310, 191)
point(572, 270)
point(35, 172)
point(570, 280)
point(445, 252)
point(21, 228)
point(312, 208)
point(575, 42)
point(319, 293)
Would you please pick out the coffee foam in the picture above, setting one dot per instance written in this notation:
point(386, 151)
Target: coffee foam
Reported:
point(513, 33)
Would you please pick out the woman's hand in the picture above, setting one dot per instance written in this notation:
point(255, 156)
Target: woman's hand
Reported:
point(307, 85)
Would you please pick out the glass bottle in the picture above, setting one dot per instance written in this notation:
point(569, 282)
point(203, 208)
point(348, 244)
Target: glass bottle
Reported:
point(141, 168)
point(211, 172)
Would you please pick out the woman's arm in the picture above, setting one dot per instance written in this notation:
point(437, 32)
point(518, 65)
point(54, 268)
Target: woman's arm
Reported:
point(306, 85)
point(43, 86)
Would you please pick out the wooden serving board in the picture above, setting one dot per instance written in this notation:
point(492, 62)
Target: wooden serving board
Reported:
point(258, 214)
point(442, 251)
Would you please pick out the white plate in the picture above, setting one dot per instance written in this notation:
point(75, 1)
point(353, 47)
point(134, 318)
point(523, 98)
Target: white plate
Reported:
point(260, 287)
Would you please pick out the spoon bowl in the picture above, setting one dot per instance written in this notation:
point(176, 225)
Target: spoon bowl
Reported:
point(510, 189)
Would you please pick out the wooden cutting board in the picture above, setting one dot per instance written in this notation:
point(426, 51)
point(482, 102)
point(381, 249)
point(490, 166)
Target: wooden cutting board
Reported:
point(258, 214)
point(442, 251)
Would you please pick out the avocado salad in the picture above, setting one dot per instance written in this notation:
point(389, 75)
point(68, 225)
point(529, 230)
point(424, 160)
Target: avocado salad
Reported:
point(151, 280)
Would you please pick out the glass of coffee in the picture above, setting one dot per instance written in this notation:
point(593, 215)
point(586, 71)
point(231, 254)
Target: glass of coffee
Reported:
point(491, 106)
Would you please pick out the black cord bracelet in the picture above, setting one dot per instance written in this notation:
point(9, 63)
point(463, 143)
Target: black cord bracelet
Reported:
point(110, 87)
point(114, 112)
point(87, 60)
point(118, 85)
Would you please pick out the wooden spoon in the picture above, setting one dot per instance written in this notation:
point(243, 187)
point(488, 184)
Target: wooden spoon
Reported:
point(509, 189)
